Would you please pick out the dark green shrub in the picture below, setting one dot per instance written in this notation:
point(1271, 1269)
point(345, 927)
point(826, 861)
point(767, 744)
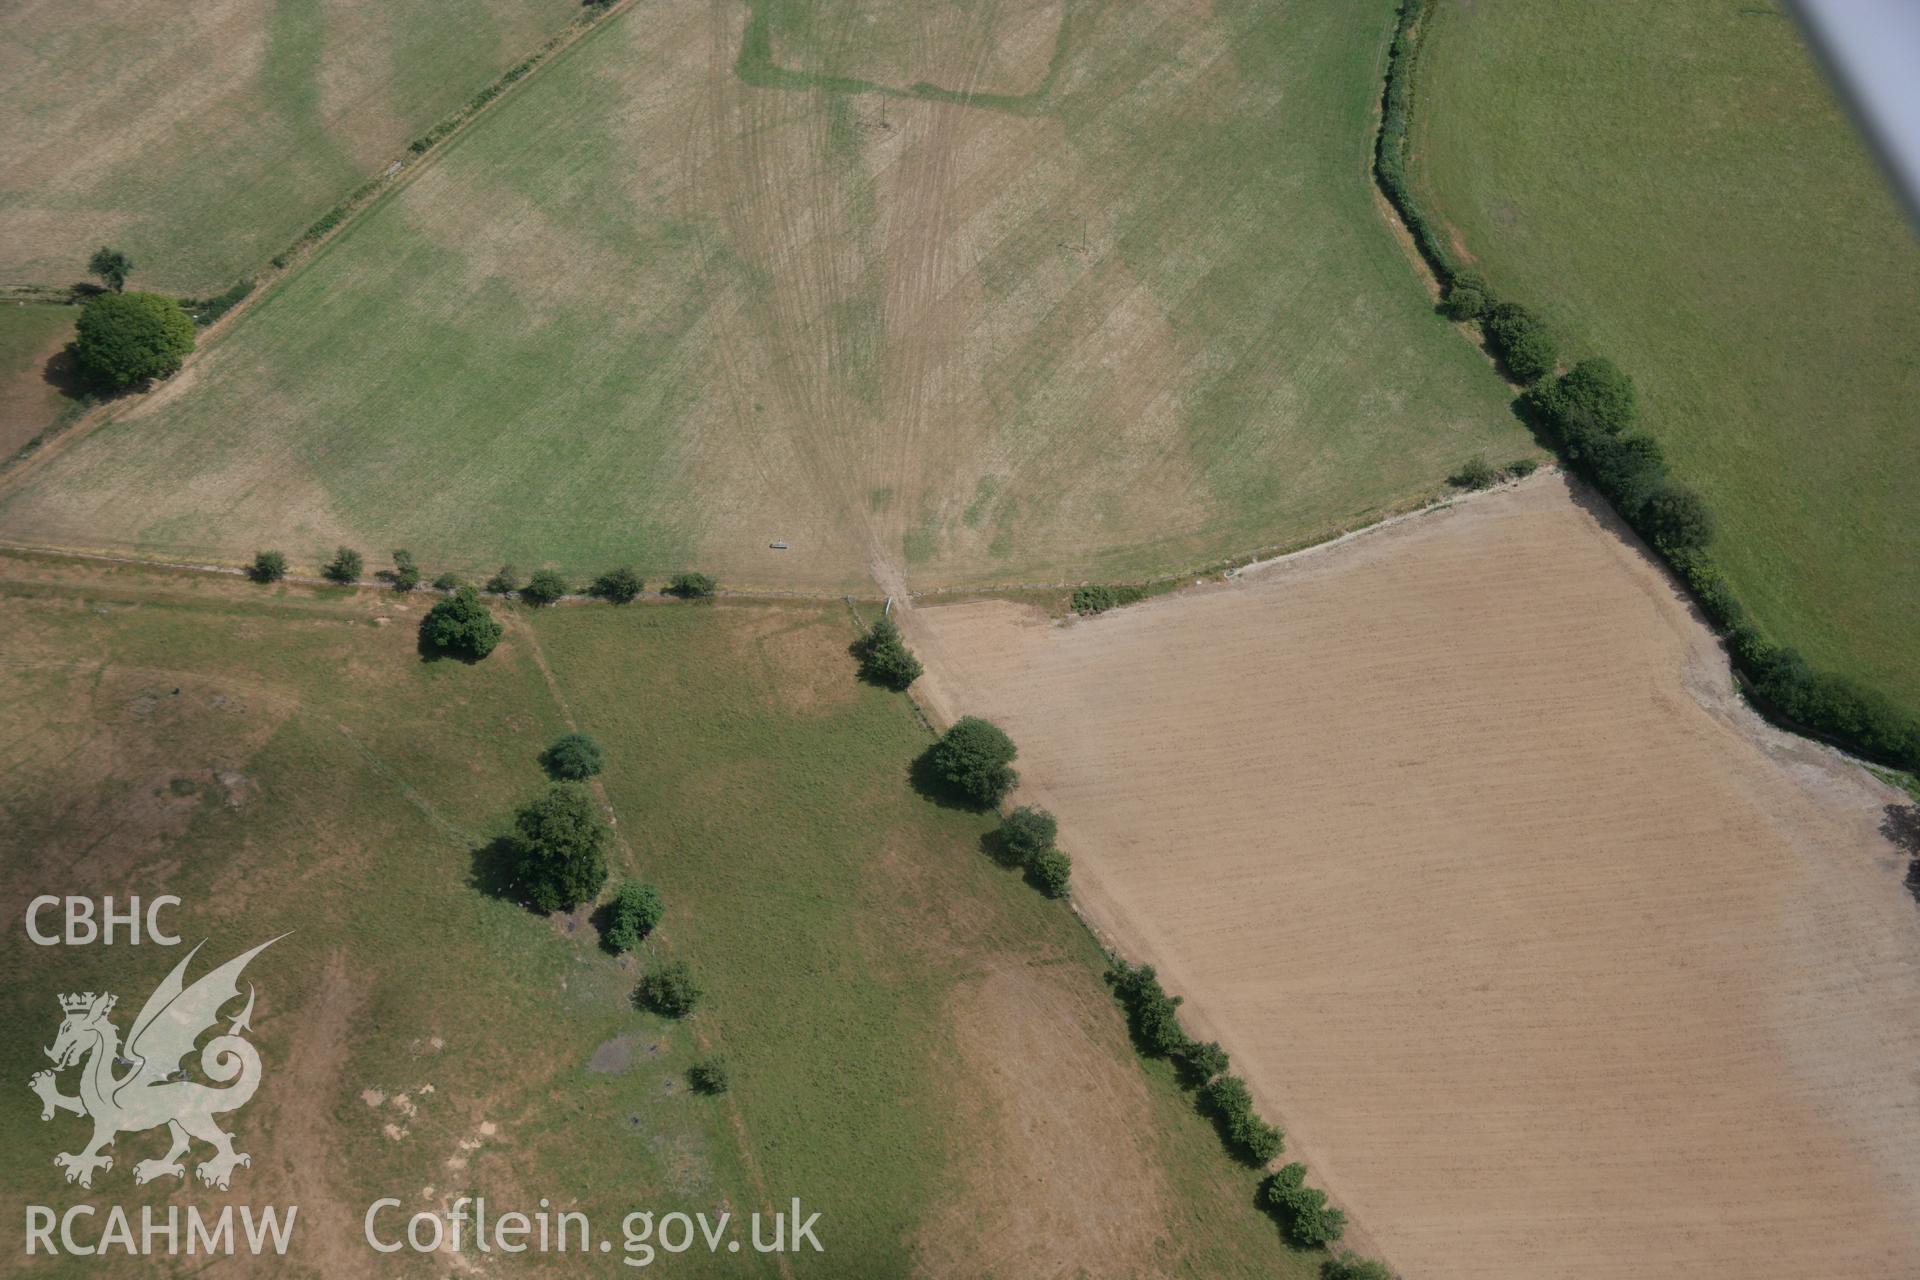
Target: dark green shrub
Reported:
point(447, 582)
point(692, 586)
point(1521, 341)
point(974, 758)
point(345, 567)
point(1027, 832)
point(1475, 473)
point(1227, 1097)
point(561, 841)
point(1050, 871)
point(1204, 1059)
point(1468, 297)
point(1151, 1012)
point(1257, 1140)
point(1521, 468)
point(544, 587)
point(671, 990)
point(710, 1076)
point(505, 582)
point(1099, 597)
point(1677, 519)
point(632, 915)
point(618, 585)
point(1303, 1211)
point(885, 658)
point(1228, 1100)
point(461, 626)
point(206, 310)
point(1352, 1266)
point(1711, 589)
point(268, 566)
point(112, 266)
point(128, 338)
point(573, 756)
point(406, 571)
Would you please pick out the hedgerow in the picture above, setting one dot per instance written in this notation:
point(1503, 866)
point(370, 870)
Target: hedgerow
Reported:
point(1590, 411)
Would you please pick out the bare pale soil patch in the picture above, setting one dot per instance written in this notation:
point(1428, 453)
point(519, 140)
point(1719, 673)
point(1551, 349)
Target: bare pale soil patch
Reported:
point(1550, 956)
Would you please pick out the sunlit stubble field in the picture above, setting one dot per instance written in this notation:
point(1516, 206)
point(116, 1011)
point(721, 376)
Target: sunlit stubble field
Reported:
point(1551, 957)
point(1110, 294)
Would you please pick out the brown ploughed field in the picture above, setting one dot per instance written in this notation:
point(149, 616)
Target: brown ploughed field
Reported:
point(1551, 958)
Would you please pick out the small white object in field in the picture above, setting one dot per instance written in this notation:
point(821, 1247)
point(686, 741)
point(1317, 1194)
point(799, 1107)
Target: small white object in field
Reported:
point(778, 546)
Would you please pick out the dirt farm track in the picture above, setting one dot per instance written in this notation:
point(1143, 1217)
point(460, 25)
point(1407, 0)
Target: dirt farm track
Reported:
point(1549, 956)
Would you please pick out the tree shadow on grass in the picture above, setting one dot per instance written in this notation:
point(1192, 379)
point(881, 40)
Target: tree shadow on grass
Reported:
point(495, 871)
point(62, 373)
point(994, 845)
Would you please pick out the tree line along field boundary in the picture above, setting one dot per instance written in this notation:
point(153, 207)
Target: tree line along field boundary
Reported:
point(1627, 467)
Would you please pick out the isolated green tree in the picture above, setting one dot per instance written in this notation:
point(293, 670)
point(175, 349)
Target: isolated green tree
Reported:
point(268, 566)
point(975, 759)
point(561, 853)
point(710, 1076)
point(462, 626)
point(692, 586)
point(447, 582)
point(635, 910)
point(345, 567)
point(128, 338)
point(1028, 832)
point(505, 582)
point(885, 658)
point(574, 756)
point(618, 585)
point(544, 587)
point(112, 266)
point(671, 989)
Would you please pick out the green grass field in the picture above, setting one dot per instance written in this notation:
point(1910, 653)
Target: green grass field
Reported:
point(1675, 187)
point(203, 139)
point(921, 1045)
point(29, 335)
point(1131, 309)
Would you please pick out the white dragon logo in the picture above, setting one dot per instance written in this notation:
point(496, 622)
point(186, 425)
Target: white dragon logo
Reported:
point(152, 1091)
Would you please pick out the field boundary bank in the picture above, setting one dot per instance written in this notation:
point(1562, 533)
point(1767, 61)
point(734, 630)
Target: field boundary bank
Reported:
point(1256, 559)
point(416, 158)
point(1861, 720)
